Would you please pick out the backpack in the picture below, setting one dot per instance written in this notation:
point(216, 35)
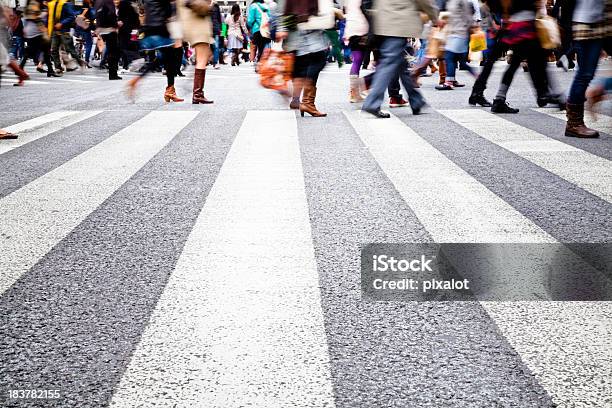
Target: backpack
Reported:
point(264, 25)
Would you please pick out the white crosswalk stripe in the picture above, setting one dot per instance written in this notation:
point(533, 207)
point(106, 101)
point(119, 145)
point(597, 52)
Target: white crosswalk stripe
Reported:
point(588, 171)
point(241, 317)
point(603, 123)
point(465, 210)
point(42, 126)
point(454, 207)
point(39, 215)
point(15, 80)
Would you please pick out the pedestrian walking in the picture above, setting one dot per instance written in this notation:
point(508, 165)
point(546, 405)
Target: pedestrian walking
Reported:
point(84, 26)
point(521, 37)
point(592, 29)
point(258, 23)
point(307, 40)
point(394, 22)
point(36, 38)
point(458, 28)
point(356, 33)
point(492, 25)
point(236, 27)
point(128, 21)
point(107, 29)
point(7, 17)
point(159, 17)
point(60, 21)
point(215, 16)
point(197, 29)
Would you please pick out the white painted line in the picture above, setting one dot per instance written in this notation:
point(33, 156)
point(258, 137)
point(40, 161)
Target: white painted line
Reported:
point(14, 80)
point(40, 214)
point(564, 343)
point(447, 200)
point(240, 321)
point(602, 124)
point(70, 80)
point(34, 129)
point(588, 171)
point(40, 121)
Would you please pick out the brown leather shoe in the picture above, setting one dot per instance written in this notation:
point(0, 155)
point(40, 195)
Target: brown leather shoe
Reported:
point(308, 101)
point(170, 95)
point(198, 88)
point(575, 123)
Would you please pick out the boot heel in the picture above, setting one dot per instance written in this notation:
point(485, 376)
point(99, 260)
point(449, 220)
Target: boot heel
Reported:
point(302, 113)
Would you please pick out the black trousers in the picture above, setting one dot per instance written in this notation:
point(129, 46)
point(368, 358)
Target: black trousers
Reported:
point(260, 42)
point(495, 53)
point(536, 60)
point(34, 47)
point(171, 58)
point(112, 53)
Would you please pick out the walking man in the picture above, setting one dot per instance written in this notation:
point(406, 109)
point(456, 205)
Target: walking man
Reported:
point(394, 22)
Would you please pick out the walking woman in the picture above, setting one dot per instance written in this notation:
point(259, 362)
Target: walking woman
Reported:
point(521, 37)
point(197, 30)
point(37, 40)
point(6, 15)
point(235, 33)
point(592, 31)
point(309, 43)
point(107, 29)
point(158, 15)
point(460, 23)
point(356, 32)
point(258, 23)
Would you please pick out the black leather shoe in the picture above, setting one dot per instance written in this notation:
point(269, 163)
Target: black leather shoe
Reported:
point(501, 106)
point(115, 78)
point(378, 113)
point(479, 99)
point(553, 99)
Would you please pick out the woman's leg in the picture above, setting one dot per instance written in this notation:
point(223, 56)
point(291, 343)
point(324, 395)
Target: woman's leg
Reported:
point(515, 63)
point(203, 53)
point(169, 61)
point(314, 64)
point(588, 52)
point(357, 56)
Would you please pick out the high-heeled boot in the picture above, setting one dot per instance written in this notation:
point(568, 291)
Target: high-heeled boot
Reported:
point(308, 101)
point(198, 87)
point(170, 95)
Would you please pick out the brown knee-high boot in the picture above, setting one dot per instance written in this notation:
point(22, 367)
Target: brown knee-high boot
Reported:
point(198, 87)
point(308, 100)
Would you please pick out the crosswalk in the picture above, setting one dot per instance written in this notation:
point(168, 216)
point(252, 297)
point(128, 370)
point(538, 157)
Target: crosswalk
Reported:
point(241, 320)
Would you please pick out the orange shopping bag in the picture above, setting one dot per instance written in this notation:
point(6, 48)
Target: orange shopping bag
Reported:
point(276, 69)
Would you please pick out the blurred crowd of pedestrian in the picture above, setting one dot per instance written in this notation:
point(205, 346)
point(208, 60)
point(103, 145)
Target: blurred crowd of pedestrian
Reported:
point(396, 41)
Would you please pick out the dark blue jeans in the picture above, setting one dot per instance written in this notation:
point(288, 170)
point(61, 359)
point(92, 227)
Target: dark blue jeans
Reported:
point(452, 59)
point(588, 57)
point(88, 41)
point(17, 47)
point(392, 63)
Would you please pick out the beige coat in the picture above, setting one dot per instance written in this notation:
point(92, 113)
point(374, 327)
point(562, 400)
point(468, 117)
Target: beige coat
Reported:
point(401, 18)
point(196, 29)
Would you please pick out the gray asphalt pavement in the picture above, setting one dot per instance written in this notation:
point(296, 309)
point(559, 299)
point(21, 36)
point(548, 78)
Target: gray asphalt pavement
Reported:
point(132, 234)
